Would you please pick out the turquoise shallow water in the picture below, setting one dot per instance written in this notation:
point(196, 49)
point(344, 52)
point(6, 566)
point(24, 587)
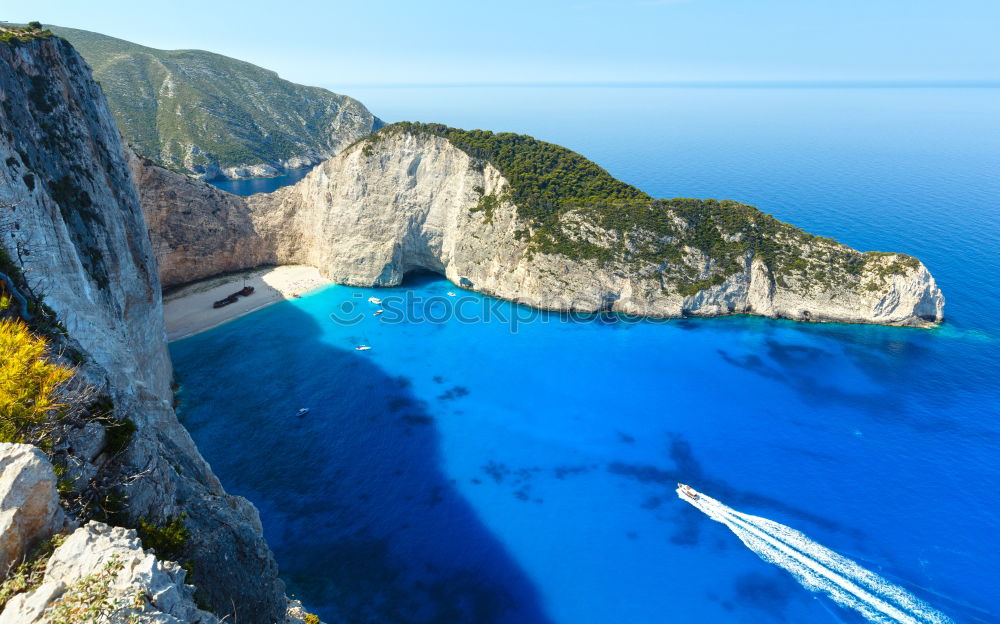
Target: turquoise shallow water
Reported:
point(466, 472)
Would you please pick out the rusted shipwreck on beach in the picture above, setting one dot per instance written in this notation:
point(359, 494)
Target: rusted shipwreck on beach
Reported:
point(233, 298)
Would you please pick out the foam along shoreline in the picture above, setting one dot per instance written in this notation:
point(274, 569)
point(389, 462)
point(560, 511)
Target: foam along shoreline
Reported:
point(188, 310)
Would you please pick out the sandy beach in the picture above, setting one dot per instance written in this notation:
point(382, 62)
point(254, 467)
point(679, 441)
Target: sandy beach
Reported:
point(189, 310)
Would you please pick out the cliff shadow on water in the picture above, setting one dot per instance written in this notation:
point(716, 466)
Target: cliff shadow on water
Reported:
point(365, 525)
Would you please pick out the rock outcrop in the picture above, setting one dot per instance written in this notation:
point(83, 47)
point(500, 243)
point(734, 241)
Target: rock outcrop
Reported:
point(197, 230)
point(409, 201)
point(72, 225)
point(29, 503)
point(105, 570)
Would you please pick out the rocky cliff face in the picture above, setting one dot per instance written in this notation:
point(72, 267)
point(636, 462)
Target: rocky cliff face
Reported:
point(57, 572)
point(107, 564)
point(72, 225)
point(369, 217)
point(410, 201)
point(197, 230)
point(29, 505)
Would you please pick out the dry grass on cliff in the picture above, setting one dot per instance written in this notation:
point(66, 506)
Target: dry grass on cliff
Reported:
point(30, 381)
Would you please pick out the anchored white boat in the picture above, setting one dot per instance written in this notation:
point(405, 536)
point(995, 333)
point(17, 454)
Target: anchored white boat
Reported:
point(362, 348)
point(375, 300)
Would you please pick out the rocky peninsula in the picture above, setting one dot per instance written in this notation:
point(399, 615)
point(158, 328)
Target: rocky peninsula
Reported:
point(538, 225)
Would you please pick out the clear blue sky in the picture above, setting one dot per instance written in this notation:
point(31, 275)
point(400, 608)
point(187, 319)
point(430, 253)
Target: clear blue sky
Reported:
point(332, 43)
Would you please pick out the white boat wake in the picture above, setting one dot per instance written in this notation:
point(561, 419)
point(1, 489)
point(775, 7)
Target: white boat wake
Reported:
point(819, 569)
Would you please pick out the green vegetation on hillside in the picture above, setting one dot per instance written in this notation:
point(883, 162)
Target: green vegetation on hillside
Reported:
point(573, 207)
point(23, 34)
point(192, 110)
point(545, 178)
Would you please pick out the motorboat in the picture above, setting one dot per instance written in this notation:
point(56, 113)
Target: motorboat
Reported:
point(688, 491)
point(451, 293)
point(377, 312)
point(375, 300)
point(362, 348)
point(302, 412)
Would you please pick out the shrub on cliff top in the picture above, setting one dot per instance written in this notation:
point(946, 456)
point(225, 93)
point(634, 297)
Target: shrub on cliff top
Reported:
point(167, 540)
point(544, 177)
point(23, 34)
point(30, 382)
point(572, 207)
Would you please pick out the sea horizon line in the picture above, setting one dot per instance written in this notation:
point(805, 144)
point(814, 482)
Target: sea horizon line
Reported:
point(693, 84)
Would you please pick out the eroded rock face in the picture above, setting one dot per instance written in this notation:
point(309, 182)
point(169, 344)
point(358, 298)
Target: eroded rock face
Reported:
point(71, 221)
point(197, 230)
point(377, 211)
point(134, 583)
point(369, 219)
point(29, 502)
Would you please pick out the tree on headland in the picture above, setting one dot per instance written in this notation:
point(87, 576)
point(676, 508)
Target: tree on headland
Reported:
point(36, 25)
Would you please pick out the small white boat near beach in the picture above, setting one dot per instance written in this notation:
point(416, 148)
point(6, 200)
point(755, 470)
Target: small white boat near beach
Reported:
point(362, 348)
point(375, 300)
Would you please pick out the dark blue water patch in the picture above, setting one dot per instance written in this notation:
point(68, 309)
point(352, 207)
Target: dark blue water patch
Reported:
point(456, 392)
point(770, 592)
point(382, 536)
point(689, 470)
point(250, 186)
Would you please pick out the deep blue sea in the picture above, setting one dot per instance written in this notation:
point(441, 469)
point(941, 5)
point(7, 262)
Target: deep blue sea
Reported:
point(250, 186)
point(524, 472)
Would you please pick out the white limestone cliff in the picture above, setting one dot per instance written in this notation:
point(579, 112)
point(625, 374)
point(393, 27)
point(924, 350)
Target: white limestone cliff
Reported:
point(29, 504)
point(98, 568)
point(72, 225)
point(105, 569)
point(377, 211)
